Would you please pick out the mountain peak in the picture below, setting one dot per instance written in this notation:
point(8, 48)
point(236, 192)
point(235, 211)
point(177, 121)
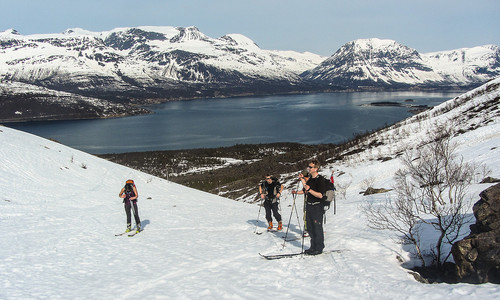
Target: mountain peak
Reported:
point(239, 40)
point(382, 45)
point(188, 34)
point(77, 32)
point(373, 42)
point(381, 62)
point(9, 32)
point(130, 37)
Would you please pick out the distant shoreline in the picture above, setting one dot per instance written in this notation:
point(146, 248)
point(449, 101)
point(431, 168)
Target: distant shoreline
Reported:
point(141, 107)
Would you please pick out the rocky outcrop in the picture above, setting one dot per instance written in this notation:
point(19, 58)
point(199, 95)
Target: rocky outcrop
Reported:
point(372, 191)
point(477, 256)
point(490, 180)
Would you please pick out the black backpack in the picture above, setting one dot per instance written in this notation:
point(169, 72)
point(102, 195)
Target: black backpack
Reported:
point(129, 189)
point(275, 182)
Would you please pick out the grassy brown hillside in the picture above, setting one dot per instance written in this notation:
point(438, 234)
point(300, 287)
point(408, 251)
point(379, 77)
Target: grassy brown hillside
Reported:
point(230, 171)
point(235, 171)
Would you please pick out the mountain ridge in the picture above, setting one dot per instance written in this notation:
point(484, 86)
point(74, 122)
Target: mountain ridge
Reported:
point(386, 63)
point(133, 66)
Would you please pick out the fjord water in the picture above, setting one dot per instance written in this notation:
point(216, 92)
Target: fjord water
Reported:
point(309, 119)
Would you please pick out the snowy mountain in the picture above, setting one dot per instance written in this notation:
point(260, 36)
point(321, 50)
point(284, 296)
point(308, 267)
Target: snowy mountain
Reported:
point(141, 58)
point(60, 211)
point(386, 63)
point(478, 64)
point(143, 65)
point(124, 67)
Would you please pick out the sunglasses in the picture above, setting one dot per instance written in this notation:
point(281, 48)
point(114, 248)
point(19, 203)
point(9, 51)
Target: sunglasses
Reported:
point(311, 167)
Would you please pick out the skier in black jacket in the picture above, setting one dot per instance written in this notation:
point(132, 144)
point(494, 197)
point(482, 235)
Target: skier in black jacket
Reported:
point(270, 190)
point(315, 190)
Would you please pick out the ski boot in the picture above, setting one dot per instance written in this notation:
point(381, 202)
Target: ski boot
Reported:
point(280, 225)
point(139, 229)
point(129, 228)
point(270, 225)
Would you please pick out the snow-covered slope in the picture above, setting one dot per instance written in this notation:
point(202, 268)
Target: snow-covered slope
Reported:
point(378, 62)
point(476, 64)
point(60, 210)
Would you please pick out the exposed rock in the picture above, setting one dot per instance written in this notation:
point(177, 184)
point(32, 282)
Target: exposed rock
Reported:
point(371, 191)
point(477, 256)
point(385, 158)
point(418, 277)
point(490, 180)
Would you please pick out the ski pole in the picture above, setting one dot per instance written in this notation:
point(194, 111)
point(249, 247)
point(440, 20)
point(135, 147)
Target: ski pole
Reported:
point(298, 219)
point(134, 212)
point(303, 232)
point(289, 219)
point(297, 212)
point(258, 216)
point(305, 222)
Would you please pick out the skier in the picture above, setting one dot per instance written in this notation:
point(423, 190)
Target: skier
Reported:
point(130, 195)
point(315, 190)
point(270, 191)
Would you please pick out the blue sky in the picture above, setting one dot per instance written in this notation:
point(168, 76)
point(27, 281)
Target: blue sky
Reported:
point(318, 26)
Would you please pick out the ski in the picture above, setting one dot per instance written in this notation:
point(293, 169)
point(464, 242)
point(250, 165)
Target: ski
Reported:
point(130, 232)
point(279, 256)
point(272, 230)
point(134, 233)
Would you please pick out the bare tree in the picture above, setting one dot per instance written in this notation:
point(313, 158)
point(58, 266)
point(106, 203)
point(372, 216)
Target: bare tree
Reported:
point(399, 216)
point(431, 188)
point(342, 187)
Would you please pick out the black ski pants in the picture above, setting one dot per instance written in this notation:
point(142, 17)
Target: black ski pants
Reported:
point(269, 206)
point(132, 205)
point(314, 219)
